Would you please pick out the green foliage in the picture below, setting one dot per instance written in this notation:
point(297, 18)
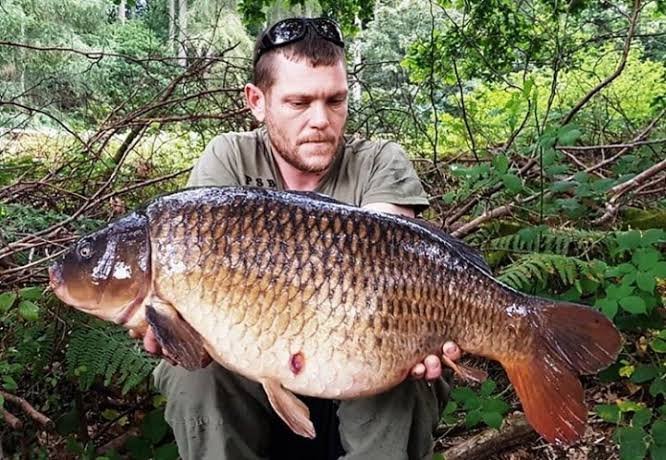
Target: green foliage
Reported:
point(541, 270)
point(107, 351)
point(476, 407)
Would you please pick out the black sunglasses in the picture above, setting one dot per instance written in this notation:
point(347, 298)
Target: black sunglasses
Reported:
point(293, 29)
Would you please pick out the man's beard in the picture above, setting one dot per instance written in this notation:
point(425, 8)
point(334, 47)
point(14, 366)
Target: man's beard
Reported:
point(290, 155)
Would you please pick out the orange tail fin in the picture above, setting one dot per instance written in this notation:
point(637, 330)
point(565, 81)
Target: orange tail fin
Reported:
point(568, 340)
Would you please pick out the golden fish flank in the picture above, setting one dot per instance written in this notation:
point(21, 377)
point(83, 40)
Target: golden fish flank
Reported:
point(305, 294)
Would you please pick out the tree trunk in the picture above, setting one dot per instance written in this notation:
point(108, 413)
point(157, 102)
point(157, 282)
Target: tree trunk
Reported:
point(172, 26)
point(182, 32)
point(122, 11)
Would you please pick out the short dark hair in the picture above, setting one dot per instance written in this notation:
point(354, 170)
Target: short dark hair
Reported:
point(317, 50)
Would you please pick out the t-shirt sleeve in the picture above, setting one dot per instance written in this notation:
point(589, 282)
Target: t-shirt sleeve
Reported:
point(217, 165)
point(392, 179)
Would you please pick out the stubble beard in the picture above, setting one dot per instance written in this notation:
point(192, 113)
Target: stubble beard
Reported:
point(290, 154)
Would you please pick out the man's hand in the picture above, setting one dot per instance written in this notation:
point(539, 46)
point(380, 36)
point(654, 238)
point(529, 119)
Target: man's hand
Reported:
point(431, 367)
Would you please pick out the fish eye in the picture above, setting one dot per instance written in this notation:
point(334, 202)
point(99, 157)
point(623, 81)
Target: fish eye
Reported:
point(85, 250)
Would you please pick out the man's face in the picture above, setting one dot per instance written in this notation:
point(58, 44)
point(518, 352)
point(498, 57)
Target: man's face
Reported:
point(306, 112)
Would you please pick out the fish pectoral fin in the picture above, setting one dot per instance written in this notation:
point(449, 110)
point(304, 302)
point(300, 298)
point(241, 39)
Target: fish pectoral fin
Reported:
point(468, 373)
point(290, 409)
point(178, 339)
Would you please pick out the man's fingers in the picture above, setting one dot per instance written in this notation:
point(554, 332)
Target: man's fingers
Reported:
point(150, 342)
point(433, 367)
point(452, 351)
point(418, 371)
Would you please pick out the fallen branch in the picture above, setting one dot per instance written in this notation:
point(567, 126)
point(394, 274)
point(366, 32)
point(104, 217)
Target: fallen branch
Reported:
point(28, 409)
point(620, 190)
point(514, 431)
point(610, 146)
point(11, 419)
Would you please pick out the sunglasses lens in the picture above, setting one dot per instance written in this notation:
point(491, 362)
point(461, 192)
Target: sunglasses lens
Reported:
point(287, 31)
point(328, 29)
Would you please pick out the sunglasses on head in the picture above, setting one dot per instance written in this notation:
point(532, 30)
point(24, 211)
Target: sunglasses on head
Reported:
point(293, 29)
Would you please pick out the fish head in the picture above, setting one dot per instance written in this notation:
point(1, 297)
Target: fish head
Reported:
point(107, 273)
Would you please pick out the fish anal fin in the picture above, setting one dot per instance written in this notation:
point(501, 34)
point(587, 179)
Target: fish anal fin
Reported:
point(290, 409)
point(552, 397)
point(177, 338)
point(468, 373)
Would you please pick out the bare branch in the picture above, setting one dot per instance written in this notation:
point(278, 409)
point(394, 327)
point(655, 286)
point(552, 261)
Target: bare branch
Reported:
point(28, 409)
point(620, 67)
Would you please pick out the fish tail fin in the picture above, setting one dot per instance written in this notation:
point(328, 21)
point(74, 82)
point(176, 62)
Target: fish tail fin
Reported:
point(568, 340)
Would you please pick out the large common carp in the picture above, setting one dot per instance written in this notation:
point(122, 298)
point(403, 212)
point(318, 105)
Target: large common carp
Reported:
point(306, 294)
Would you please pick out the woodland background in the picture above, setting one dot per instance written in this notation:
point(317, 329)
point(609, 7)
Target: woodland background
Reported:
point(537, 127)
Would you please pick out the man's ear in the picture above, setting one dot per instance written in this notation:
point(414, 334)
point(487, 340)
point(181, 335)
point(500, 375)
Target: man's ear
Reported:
point(256, 101)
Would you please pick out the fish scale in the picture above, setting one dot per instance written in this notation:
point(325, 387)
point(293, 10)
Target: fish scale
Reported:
point(303, 293)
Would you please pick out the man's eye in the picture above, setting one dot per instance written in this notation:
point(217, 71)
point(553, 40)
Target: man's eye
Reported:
point(298, 104)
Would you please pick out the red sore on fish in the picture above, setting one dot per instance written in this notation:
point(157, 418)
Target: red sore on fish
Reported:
point(296, 363)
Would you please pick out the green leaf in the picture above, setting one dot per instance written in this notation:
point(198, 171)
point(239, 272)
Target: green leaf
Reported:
point(646, 259)
point(608, 412)
point(501, 164)
point(495, 405)
point(633, 304)
point(512, 183)
point(487, 387)
point(658, 345)
point(659, 432)
point(568, 135)
point(657, 452)
point(608, 307)
point(473, 418)
point(2, 400)
point(632, 443)
point(644, 374)
point(641, 418)
point(167, 452)
point(492, 419)
point(659, 270)
point(7, 299)
point(658, 387)
point(9, 383)
point(154, 426)
point(139, 448)
point(29, 310)
point(562, 186)
point(462, 394)
point(653, 235)
point(31, 293)
point(629, 240)
point(646, 281)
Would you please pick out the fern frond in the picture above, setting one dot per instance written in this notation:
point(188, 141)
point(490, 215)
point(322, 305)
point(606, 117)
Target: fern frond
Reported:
point(562, 241)
point(107, 351)
point(540, 270)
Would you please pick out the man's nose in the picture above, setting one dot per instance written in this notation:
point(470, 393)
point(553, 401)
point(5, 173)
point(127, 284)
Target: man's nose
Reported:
point(319, 116)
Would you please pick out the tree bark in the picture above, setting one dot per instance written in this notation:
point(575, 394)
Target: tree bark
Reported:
point(182, 32)
point(122, 11)
point(172, 25)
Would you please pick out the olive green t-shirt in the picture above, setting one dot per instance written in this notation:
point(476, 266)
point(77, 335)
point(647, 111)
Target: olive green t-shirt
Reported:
point(366, 172)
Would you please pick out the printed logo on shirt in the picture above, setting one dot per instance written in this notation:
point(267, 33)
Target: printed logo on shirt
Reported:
point(260, 182)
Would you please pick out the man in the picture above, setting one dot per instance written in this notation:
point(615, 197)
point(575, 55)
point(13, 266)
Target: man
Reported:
point(300, 93)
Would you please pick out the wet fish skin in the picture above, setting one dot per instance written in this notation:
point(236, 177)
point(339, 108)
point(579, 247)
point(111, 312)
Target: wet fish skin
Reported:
point(329, 300)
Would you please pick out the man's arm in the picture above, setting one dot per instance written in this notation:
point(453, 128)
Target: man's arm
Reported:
point(391, 208)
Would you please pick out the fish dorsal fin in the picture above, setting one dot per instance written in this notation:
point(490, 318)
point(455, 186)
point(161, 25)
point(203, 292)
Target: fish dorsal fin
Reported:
point(462, 248)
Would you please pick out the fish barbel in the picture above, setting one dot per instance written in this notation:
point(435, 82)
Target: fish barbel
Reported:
point(308, 295)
